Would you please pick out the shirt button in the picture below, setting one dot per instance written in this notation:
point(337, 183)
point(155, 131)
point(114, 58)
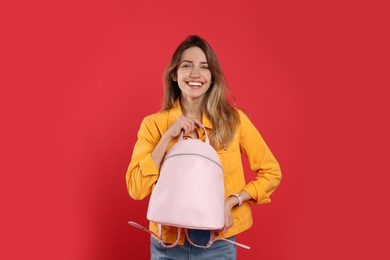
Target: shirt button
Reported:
point(216, 234)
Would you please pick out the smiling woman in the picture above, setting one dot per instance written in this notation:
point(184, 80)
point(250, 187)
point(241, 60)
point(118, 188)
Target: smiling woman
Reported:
point(193, 75)
point(195, 97)
point(213, 103)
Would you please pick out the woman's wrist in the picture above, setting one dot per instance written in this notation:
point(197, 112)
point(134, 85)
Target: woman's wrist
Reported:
point(166, 138)
point(238, 198)
point(232, 201)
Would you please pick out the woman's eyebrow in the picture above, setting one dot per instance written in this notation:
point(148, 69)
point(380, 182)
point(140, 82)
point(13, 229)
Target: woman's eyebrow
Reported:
point(202, 62)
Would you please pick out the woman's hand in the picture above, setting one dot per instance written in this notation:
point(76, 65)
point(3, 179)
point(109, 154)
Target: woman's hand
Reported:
point(229, 204)
point(183, 123)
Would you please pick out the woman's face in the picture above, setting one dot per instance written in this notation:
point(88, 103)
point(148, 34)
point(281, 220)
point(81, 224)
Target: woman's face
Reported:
point(193, 74)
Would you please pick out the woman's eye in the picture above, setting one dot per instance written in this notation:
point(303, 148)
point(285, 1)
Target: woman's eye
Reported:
point(185, 65)
point(205, 67)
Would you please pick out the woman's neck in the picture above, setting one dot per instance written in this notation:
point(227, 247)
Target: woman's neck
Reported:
point(191, 108)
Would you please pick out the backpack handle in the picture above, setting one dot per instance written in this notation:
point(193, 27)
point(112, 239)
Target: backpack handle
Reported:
point(159, 237)
point(212, 240)
point(181, 137)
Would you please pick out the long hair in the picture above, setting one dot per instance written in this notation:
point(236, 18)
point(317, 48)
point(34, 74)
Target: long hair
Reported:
point(216, 105)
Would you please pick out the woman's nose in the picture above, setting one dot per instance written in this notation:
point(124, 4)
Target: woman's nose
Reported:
point(195, 73)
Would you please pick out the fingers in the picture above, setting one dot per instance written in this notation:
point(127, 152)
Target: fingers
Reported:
point(184, 124)
point(198, 123)
point(228, 216)
point(189, 125)
point(227, 226)
point(228, 223)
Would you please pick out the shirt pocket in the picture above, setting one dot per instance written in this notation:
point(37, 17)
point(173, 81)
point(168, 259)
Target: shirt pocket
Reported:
point(229, 158)
point(232, 168)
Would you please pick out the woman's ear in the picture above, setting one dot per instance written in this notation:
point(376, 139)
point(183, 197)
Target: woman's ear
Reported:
point(174, 77)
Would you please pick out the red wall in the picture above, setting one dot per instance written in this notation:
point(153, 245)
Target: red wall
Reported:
point(79, 76)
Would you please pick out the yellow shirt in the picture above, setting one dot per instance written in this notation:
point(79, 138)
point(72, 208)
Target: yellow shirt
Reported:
point(142, 173)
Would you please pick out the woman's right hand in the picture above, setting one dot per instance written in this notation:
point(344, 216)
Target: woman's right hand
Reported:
point(183, 123)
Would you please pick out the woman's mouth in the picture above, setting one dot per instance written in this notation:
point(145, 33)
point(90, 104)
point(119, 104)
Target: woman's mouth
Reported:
point(194, 84)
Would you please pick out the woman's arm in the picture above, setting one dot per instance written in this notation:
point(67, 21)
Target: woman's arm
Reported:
point(261, 161)
point(149, 152)
point(142, 172)
point(230, 203)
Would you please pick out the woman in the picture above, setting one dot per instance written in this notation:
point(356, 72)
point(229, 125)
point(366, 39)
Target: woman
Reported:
point(195, 95)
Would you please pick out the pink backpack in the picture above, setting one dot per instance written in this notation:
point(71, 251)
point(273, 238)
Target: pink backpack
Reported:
point(190, 192)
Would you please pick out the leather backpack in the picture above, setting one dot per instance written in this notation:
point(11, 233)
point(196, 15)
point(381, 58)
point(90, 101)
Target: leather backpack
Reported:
point(189, 192)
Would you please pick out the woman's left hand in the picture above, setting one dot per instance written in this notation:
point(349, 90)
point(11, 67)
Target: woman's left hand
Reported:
point(229, 204)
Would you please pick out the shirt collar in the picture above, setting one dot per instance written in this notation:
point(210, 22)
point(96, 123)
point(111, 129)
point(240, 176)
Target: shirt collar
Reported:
point(176, 111)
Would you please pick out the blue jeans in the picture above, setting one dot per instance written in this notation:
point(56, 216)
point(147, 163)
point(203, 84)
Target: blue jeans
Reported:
point(220, 250)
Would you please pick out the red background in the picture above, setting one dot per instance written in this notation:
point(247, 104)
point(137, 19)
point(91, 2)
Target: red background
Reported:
point(77, 77)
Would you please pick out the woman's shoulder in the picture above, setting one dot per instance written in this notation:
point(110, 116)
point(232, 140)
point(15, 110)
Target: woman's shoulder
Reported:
point(245, 119)
point(157, 118)
point(158, 115)
point(241, 113)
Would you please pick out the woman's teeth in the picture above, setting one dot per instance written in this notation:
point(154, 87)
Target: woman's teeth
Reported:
point(194, 83)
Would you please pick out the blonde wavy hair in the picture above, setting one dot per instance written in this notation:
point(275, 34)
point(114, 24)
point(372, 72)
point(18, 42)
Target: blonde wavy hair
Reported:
point(216, 105)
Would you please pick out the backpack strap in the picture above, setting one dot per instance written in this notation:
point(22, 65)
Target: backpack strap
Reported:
point(207, 140)
point(159, 237)
point(212, 240)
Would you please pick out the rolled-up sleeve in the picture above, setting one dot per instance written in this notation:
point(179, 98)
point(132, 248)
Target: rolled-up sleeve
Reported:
point(261, 161)
point(142, 172)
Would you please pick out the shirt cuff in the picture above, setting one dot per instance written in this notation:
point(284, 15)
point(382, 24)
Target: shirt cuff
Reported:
point(259, 196)
point(148, 167)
